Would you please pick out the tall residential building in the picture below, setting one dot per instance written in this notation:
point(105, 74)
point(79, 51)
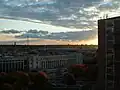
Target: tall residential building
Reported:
point(109, 54)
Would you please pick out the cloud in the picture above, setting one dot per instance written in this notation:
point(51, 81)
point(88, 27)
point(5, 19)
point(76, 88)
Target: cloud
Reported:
point(67, 13)
point(45, 37)
point(73, 36)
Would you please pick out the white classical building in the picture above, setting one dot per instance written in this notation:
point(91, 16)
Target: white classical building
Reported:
point(54, 61)
point(31, 62)
point(11, 63)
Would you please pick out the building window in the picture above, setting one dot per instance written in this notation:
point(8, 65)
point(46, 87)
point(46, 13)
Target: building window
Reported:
point(37, 66)
point(109, 24)
point(110, 56)
point(110, 44)
point(37, 62)
point(110, 36)
point(110, 51)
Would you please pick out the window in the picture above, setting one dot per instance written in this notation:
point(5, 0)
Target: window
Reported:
point(37, 66)
point(110, 56)
point(109, 24)
point(109, 51)
point(110, 44)
point(109, 30)
point(36, 62)
point(110, 37)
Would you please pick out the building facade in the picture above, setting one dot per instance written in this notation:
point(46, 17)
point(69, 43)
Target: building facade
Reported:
point(108, 54)
point(11, 63)
point(55, 61)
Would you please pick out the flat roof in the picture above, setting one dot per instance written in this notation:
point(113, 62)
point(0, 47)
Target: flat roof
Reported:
point(118, 17)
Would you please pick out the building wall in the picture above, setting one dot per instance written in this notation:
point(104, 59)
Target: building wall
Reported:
point(101, 55)
point(55, 61)
point(9, 64)
point(108, 54)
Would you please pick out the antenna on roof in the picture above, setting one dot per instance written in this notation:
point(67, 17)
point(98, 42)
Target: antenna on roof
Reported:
point(106, 16)
point(15, 43)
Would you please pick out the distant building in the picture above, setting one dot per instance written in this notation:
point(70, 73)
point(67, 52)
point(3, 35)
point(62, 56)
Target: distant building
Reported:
point(54, 61)
point(25, 57)
point(11, 63)
point(109, 54)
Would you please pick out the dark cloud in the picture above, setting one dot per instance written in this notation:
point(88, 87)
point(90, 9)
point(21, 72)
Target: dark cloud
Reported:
point(10, 31)
point(75, 35)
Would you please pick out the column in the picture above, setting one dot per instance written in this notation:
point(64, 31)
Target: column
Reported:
point(48, 64)
point(2, 65)
point(11, 65)
point(60, 62)
point(55, 63)
point(17, 62)
point(23, 65)
point(20, 65)
point(39, 64)
point(15, 65)
point(45, 64)
point(42, 64)
point(63, 62)
point(51, 64)
point(8, 64)
point(5, 66)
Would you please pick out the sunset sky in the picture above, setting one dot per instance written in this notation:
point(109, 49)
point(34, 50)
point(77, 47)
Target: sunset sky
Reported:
point(56, 15)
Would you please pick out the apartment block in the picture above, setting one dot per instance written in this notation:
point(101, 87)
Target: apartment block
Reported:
point(108, 54)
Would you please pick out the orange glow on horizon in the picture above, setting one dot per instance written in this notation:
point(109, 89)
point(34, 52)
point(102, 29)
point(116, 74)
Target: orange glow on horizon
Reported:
point(38, 41)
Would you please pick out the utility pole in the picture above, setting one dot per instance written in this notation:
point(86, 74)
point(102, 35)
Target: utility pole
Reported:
point(27, 40)
point(26, 61)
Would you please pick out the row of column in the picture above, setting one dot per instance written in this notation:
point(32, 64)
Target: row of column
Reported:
point(7, 66)
point(53, 64)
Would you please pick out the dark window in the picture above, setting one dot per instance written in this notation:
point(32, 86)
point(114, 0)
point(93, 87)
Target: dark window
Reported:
point(110, 44)
point(110, 35)
point(109, 24)
point(110, 56)
point(109, 51)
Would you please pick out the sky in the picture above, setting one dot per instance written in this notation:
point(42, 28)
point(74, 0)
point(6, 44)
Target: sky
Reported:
point(55, 15)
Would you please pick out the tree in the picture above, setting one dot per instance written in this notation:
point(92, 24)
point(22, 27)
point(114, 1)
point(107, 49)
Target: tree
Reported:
point(22, 80)
point(69, 79)
point(78, 70)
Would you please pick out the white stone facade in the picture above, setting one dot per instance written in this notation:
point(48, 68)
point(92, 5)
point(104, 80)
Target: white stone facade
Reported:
point(50, 62)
